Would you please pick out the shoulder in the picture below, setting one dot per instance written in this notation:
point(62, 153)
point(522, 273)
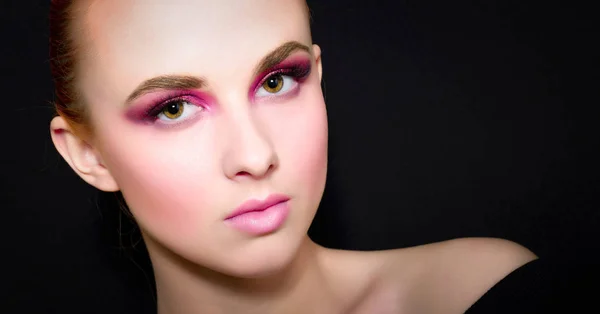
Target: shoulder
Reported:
point(455, 273)
point(468, 254)
point(480, 253)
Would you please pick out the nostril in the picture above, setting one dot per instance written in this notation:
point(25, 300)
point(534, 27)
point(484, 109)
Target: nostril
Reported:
point(256, 173)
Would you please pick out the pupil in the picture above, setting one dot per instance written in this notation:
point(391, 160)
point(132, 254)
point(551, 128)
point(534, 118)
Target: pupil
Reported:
point(173, 109)
point(273, 82)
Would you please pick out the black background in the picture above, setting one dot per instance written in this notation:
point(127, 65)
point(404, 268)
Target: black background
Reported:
point(447, 119)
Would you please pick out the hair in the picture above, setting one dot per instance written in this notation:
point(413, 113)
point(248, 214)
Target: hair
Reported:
point(63, 56)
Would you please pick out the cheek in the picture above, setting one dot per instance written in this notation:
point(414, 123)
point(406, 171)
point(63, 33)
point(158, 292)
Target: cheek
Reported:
point(304, 144)
point(163, 178)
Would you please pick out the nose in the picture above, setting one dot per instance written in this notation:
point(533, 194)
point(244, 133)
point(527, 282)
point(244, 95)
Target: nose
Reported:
point(250, 152)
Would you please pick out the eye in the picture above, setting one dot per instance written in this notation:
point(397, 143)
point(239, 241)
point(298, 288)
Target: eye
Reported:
point(177, 110)
point(273, 84)
point(276, 84)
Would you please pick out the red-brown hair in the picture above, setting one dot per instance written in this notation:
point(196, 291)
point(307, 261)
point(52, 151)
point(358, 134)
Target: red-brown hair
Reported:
point(63, 50)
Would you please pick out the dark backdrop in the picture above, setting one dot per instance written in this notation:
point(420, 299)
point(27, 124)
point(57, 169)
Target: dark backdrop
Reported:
point(447, 119)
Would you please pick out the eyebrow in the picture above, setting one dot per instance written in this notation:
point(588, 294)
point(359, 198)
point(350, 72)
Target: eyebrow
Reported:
point(167, 82)
point(279, 54)
point(171, 82)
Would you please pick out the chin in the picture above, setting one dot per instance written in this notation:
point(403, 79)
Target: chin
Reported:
point(268, 254)
point(263, 257)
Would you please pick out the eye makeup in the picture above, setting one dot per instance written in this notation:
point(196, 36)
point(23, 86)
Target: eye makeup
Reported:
point(148, 107)
point(298, 68)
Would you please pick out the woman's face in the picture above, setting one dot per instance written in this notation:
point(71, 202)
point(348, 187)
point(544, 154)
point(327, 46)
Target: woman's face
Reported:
point(199, 106)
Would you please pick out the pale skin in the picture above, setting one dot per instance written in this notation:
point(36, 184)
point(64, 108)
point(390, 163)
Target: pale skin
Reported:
point(180, 181)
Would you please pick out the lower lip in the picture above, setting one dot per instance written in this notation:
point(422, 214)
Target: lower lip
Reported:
point(261, 222)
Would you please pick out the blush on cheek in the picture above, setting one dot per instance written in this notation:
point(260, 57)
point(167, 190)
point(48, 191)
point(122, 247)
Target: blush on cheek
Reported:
point(315, 161)
point(167, 203)
point(306, 141)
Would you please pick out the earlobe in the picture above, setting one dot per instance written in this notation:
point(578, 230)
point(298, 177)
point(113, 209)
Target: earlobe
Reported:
point(81, 156)
point(317, 54)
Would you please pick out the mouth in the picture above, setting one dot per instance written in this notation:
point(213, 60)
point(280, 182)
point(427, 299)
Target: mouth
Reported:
point(257, 205)
point(260, 216)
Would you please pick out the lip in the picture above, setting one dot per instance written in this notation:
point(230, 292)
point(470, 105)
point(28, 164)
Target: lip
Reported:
point(259, 217)
point(257, 205)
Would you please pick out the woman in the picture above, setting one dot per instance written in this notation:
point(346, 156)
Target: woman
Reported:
point(208, 117)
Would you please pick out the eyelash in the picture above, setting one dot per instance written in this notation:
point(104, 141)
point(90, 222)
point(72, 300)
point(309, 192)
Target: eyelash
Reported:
point(298, 72)
point(154, 111)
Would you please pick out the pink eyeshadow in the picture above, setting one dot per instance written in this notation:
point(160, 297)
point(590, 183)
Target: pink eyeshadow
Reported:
point(142, 109)
point(298, 67)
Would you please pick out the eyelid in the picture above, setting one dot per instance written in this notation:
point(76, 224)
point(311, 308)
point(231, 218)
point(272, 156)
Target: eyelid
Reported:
point(297, 70)
point(156, 109)
point(176, 96)
point(269, 74)
point(146, 109)
point(290, 84)
point(185, 116)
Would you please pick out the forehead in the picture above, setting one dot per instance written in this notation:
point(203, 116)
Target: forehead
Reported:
point(127, 41)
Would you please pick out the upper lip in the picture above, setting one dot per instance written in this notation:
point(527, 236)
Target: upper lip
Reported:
point(254, 205)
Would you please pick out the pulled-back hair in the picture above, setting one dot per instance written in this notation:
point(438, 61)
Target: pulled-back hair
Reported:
point(63, 51)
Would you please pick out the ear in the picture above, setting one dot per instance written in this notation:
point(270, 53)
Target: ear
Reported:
point(317, 54)
point(81, 156)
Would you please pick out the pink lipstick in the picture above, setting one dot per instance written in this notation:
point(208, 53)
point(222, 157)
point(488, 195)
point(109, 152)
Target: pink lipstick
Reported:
point(260, 217)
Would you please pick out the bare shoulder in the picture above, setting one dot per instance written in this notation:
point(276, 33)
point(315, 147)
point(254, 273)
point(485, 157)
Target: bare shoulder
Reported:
point(481, 253)
point(457, 272)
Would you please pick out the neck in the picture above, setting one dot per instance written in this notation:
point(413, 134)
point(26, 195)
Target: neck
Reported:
point(185, 288)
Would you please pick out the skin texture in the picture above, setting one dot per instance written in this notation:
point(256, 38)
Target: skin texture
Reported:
point(181, 180)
